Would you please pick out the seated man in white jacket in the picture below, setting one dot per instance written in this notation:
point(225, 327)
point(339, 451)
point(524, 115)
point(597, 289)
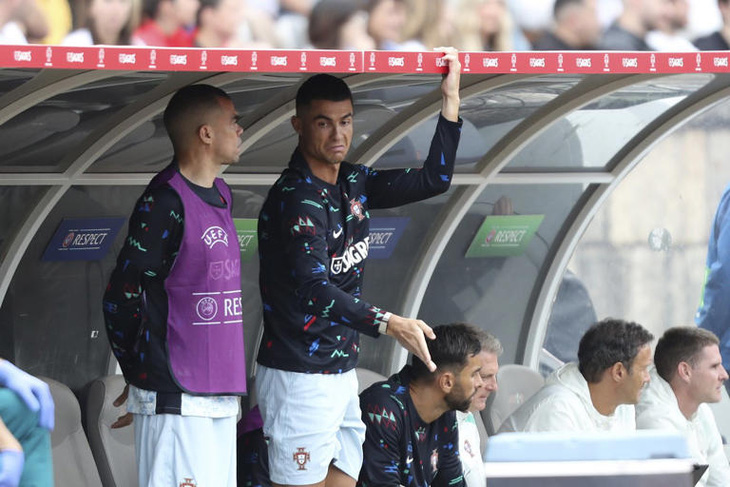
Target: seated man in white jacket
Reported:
point(688, 374)
point(470, 448)
point(597, 393)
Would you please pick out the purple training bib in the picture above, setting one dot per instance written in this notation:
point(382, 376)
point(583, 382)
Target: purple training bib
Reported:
point(205, 316)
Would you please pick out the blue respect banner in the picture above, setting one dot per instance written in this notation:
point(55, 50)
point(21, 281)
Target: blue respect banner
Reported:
point(384, 235)
point(82, 239)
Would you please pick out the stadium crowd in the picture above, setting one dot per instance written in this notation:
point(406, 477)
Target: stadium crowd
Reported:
point(493, 25)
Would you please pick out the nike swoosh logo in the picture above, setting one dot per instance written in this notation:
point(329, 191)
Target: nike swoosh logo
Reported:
point(337, 233)
point(409, 460)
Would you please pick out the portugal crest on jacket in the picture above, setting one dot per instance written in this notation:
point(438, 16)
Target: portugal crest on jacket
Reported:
point(356, 209)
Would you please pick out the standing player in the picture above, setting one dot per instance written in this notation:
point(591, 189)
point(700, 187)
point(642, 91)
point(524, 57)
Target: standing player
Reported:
point(173, 303)
point(313, 240)
point(713, 313)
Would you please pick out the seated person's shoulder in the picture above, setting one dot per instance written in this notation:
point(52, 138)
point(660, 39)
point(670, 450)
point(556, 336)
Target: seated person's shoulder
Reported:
point(384, 390)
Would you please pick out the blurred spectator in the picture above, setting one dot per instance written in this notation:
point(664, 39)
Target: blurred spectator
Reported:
point(533, 18)
point(628, 32)
point(718, 41)
point(286, 21)
point(10, 31)
point(576, 27)
point(429, 24)
point(385, 23)
point(301, 7)
point(609, 11)
point(670, 37)
point(166, 23)
point(258, 27)
point(339, 24)
point(108, 22)
point(22, 22)
point(58, 18)
point(291, 25)
point(484, 25)
point(704, 18)
point(218, 23)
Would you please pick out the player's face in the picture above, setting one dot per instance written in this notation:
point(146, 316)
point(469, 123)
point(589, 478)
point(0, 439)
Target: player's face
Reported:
point(488, 374)
point(638, 377)
point(466, 385)
point(227, 133)
point(325, 131)
point(708, 374)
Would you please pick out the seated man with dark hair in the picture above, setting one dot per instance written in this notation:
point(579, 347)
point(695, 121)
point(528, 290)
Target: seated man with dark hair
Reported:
point(597, 393)
point(688, 374)
point(412, 437)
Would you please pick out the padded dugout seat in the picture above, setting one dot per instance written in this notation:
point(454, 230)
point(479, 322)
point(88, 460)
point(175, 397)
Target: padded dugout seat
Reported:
point(113, 449)
point(73, 463)
point(517, 383)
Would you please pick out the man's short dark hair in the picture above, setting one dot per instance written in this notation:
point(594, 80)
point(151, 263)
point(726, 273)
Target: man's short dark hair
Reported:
point(451, 350)
point(608, 342)
point(680, 344)
point(559, 5)
point(188, 102)
point(322, 87)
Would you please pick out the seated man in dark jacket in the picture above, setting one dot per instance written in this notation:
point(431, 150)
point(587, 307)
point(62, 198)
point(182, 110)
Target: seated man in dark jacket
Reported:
point(412, 436)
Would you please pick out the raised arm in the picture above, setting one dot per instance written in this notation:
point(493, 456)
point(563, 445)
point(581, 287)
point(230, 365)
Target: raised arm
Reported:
point(389, 188)
point(450, 85)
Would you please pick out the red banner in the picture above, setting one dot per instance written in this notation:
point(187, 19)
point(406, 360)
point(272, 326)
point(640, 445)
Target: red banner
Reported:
point(316, 61)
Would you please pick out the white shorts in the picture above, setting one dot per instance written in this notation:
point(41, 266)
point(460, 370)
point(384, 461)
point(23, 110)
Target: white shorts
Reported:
point(310, 421)
point(174, 450)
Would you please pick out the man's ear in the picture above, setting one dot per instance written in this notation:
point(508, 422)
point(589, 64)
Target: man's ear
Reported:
point(446, 381)
point(618, 372)
point(684, 371)
point(205, 133)
point(296, 123)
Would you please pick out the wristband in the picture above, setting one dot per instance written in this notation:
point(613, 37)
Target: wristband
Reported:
point(383, 326)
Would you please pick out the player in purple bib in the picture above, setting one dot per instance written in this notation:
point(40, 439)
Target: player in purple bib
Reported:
point(173, 303)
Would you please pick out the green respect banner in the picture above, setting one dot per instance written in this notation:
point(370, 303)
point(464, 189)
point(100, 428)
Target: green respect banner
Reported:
point(504, 235)
point(247, 236)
